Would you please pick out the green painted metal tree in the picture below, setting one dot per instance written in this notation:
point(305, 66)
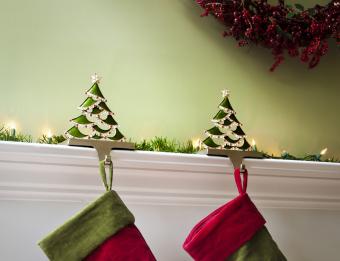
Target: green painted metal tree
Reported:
point(227, 132)
point(96, 120)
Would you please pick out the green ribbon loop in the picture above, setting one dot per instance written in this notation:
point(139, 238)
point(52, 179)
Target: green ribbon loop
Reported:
point(102, 171)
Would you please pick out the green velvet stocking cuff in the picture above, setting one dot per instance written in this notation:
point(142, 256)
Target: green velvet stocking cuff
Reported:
point(88, 229)
point(260, 248)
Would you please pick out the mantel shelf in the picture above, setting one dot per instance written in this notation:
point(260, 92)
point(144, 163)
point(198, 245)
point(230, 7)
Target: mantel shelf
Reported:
point(40, 172)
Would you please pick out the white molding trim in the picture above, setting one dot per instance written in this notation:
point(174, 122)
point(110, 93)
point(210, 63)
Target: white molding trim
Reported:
point(39, 172)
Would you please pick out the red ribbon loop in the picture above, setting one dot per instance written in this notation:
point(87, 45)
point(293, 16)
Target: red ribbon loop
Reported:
point(242, 188)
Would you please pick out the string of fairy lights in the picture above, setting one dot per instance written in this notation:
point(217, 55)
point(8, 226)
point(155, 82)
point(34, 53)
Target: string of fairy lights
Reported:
point(156, 144)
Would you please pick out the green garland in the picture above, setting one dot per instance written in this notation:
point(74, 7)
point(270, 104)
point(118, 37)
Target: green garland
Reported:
point(308, 157)
point(55, 139)
point(166, 145)
point(160, 144)
point(5, 134)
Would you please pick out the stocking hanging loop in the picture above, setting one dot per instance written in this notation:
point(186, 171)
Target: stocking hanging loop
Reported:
point(241, 186)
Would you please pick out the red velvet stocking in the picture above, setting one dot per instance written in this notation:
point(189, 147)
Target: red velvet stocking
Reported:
point(127, 245)
point(228, 233)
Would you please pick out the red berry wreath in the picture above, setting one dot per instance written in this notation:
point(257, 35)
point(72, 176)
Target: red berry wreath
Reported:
point(302, 32)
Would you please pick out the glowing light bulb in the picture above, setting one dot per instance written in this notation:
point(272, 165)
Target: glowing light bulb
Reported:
point(49, 133)
point(253, 145)
point(11, 125)
point(196, 143)
point(323, 152)
point(12, 128)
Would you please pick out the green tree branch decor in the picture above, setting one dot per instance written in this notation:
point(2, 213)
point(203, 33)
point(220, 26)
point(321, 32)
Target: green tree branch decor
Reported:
point(163, 144)
point(7, 135)
point(96, 120)
point(227, 132)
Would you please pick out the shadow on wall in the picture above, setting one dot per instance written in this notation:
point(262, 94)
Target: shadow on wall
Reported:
point(252, 55)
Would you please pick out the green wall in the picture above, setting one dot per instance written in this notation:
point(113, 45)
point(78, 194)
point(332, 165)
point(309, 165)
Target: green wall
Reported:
point(163, 67)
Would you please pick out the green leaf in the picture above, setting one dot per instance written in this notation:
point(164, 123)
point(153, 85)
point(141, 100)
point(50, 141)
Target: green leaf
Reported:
point(226, 104)
point(283, 33)
point(164, 144)
point(117, 136)
point(233, 118)
point(87, 103)
point(215, 131)
point(75, 132)
point(187, 147)
point(58, 139)
point(245, 145)
point(96, 110)
point(311, 11)
point(104, 106)
point(210, 143)
point(6, 135)
point(289, 6)
point(226, 122)
point(110, 121)
point(290, 15)
point(98, 129)
point(239, 131)
point(227, 147)
point(279, 29)
point(286, 155)
point(94, 90)
point(230, 139)
point(252, 9)
point(81, 120)
point(299, 7)
point(289, 36)
point(220, 115)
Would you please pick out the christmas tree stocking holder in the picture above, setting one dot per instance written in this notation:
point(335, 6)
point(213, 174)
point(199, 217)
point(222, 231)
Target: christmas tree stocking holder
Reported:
point(103, 147)
point(96, 127)
point(236, 156)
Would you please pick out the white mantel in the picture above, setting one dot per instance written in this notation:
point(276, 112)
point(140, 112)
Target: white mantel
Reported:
point(41, 186)
point(39, 172)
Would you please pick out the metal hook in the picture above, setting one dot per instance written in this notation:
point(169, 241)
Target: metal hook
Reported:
point(242, 168)
point(108, 160)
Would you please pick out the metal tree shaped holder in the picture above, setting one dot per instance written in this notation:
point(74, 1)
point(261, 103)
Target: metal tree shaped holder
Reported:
point(226, 138)
point(96, 127)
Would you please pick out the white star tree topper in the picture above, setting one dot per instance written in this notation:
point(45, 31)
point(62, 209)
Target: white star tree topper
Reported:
point(225, 93)
point(95, 78)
